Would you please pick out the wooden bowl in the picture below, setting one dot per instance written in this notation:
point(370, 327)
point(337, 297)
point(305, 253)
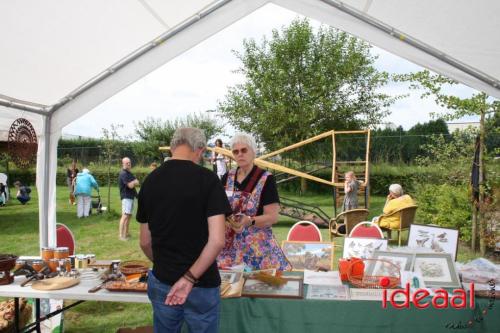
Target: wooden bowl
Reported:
point(134, 267)
point(7, 262)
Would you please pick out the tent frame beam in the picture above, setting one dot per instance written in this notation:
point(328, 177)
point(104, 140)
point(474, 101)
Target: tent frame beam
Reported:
point(23, 105)
point(413, 42)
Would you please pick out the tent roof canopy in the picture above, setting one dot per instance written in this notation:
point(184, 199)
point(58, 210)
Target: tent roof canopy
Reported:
point(58, 51)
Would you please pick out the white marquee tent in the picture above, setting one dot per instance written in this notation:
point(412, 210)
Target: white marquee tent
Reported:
point(60, 59)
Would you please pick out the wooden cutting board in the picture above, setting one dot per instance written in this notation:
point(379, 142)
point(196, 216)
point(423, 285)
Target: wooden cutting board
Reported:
point(59, 282)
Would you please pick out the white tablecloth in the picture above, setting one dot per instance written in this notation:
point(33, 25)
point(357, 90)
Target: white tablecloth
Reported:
point(78, 292)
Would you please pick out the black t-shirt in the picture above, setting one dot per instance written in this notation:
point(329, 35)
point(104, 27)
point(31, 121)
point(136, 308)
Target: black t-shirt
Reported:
point(176, 199)
point(269, 193)
point(124, 178)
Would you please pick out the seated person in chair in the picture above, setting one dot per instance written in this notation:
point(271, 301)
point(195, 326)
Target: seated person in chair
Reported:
point(396, 200)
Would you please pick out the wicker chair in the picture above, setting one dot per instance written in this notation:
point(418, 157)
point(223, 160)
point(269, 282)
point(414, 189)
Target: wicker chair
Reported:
point(350, 217)
point(406, 217)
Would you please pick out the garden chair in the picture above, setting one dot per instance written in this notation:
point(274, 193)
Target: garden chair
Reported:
point(406, 217)
point(304, 231)
point(65, 238)
point(366, 229)
point(350, 218)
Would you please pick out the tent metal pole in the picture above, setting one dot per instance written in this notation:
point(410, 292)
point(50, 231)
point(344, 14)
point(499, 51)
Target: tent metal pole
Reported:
point(45, 182)
point(413, 42)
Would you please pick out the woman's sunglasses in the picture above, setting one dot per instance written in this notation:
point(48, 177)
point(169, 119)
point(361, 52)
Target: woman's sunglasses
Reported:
point(238, 151)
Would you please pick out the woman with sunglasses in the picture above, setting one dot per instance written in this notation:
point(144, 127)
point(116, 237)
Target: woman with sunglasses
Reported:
point(254, 199)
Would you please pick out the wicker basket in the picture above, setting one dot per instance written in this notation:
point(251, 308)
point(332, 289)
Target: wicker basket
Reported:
point(7, 315)
point(134, 267)
point(375, 281)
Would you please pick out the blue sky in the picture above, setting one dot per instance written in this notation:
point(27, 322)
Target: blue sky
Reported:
point(198, 78)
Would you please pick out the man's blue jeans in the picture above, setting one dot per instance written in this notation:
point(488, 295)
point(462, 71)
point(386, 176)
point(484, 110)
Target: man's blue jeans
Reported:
point(201, 310)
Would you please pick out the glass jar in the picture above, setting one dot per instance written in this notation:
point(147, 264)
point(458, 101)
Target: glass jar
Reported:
point(61, 253)
point(47, 253)
point(19, 264)
point(37, 265)
point(53, 264)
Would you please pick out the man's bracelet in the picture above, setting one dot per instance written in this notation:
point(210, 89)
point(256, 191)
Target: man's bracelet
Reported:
point(191, 277)
point(188, 278)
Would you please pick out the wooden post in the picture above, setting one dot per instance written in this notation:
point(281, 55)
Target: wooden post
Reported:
point(367, 171)
point(482, 222)
point(334, 162)
point(473, 245)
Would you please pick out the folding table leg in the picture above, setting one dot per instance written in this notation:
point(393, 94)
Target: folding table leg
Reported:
point(16, 314)
point(37, 313)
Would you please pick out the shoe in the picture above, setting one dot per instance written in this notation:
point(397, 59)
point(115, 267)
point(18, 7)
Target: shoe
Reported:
point(124, 238)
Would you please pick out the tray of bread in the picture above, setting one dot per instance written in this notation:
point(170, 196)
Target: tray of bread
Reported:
point(126, 286)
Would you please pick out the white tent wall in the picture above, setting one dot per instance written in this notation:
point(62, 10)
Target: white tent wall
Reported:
point(9, 115)
point(44, 61)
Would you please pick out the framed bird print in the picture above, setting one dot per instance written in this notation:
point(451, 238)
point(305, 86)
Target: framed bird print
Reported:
point(437, 239)
point(362, 247)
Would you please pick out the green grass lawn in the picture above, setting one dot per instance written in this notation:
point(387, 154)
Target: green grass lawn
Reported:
point(98, 234)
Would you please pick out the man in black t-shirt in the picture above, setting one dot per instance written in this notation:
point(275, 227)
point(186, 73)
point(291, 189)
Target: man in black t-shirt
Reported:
point(127, 184)
point(182, 208)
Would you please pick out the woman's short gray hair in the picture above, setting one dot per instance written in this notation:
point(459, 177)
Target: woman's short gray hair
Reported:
point(244, 139)
point(396, 189)
point(193, 137)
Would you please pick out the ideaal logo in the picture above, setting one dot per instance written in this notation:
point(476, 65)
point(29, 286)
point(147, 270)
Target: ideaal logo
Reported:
point(441, 301)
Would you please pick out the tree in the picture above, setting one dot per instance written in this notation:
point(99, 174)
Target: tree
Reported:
point(420, 135)
point(112, 144)
point(154, 133)
point(478, 104)
point(300, 83)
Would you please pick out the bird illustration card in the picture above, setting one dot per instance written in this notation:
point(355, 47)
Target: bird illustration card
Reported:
point(439, 240)
point(363, 247)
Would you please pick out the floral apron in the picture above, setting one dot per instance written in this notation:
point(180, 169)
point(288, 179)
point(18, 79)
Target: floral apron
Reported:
point(255, 247)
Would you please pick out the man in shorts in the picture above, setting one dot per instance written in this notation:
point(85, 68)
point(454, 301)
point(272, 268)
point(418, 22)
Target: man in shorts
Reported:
point(127, 184)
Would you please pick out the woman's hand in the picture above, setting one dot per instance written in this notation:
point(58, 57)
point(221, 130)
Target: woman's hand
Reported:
point(236, 222)
point(246, 221)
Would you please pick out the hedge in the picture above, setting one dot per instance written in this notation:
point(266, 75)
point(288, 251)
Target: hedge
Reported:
point(381, 176)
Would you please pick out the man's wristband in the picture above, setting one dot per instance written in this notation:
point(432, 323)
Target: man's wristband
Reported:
point(190, 277)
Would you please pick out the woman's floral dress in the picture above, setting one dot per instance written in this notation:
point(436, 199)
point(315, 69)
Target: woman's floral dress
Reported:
point(255, 247)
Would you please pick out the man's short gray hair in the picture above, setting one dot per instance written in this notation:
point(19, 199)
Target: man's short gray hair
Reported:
point(193, 137)
point(244, 139)
point(396, 189)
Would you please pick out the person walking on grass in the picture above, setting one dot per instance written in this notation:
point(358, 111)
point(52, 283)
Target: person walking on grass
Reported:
point(84, 182)
point(127, 184)
point(71, 173)
point(181, 211)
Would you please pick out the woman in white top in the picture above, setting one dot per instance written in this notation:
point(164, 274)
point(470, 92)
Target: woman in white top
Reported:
point(219, 160)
